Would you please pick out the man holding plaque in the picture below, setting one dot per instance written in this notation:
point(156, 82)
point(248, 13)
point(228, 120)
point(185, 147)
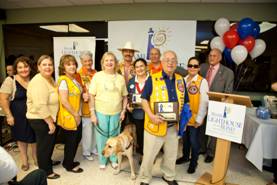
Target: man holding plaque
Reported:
point(163, 97)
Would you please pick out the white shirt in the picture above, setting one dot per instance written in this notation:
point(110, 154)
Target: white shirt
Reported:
point(204, 98)
point(8, 168)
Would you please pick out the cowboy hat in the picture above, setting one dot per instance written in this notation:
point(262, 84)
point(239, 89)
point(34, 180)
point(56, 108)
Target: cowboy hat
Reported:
point(128, 45)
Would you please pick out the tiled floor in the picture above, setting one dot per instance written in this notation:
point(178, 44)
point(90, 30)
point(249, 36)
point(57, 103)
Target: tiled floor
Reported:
point(240, 171)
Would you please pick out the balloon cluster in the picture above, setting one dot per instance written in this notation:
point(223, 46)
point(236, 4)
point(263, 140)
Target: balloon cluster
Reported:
point(237, 40)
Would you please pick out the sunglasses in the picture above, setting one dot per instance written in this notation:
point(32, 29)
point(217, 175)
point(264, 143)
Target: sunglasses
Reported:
point(193, 66)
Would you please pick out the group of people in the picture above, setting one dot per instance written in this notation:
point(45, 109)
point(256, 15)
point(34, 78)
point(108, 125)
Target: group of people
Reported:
point(93, 106)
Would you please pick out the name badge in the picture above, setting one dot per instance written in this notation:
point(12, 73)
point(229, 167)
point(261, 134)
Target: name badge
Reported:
point(168, 110)
point(136, 99)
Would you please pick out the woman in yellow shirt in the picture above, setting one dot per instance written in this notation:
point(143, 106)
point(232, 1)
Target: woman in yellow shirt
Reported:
point(42, 108)
point(108, 101)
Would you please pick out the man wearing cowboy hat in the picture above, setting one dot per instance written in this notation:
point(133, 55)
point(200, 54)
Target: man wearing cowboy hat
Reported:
point(125, 66)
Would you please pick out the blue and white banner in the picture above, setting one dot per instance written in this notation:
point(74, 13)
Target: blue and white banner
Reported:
point(179, 36)
point(225, 121)
point(72, 46)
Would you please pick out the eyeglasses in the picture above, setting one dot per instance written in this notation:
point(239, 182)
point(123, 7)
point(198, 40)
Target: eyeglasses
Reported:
point(193, 66)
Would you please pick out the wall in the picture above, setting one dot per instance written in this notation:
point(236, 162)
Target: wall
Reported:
point(166, 11)
point(163, 11)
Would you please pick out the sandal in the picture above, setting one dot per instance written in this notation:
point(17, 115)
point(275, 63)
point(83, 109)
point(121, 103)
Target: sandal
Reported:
point(25, 167)
point(53, 176)
point(55, 163)
point(78, 170)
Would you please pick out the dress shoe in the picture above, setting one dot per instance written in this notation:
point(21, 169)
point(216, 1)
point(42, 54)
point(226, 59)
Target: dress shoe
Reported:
point(202, 153)
point(209, 159)
point(174, 182)
point(143, 183)
point(182, 160)
point(191, 169)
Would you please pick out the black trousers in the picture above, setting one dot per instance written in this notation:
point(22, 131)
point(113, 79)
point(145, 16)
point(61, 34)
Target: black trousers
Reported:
point(140, 134)
point(203, 139)
point(45, 144)
point(36, 177)
point(72, 139)
point(274, 166)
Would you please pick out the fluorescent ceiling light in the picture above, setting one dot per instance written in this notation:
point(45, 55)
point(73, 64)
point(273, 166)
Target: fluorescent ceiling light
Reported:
point(204, 42)
point(265, 26)
point(56, 28)
point(65, 28)
point(76, 28)
point(201, 47)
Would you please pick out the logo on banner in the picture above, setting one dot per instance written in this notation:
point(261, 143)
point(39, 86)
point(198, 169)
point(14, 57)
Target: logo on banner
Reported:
point(157, 39)
point(225, 121)
point(71, 49)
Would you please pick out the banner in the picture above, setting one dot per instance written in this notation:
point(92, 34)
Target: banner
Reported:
point(72, 46)
point(225, 121)
point(179, 36)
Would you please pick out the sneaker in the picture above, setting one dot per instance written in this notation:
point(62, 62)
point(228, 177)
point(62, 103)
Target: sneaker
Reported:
point(88, 157)
point(114, 165)
point(102, 166)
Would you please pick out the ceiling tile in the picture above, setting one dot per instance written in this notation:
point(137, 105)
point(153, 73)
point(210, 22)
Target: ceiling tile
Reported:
point(116, 1)
point(184, 1)
point(218, 1)
point(256, 1)
point(150, 1)
point(86, 2)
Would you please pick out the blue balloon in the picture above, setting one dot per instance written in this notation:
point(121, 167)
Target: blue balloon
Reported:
point(227, 55)
point(245, 28)
point(256, 30)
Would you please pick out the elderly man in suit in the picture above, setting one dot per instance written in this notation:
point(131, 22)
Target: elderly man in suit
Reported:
point(220, 79)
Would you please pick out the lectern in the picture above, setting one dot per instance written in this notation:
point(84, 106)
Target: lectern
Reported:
point(222, 146)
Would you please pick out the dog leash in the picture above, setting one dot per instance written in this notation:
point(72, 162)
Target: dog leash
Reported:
point(114, 132)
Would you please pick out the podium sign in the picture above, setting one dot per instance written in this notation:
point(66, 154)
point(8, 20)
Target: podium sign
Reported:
point(225, 121)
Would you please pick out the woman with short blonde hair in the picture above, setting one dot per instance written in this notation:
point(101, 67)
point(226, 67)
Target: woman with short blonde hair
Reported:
point(108, 101)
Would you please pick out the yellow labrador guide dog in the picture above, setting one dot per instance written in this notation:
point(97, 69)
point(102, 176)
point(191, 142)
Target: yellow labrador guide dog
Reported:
point(123, 144)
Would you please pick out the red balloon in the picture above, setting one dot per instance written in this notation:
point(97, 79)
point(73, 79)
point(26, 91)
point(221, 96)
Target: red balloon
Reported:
point(234, 27)
point(230, 38)
point(248, 42)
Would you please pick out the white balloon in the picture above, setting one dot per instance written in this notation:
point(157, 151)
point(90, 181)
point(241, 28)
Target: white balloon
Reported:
point(239, 54)
point(258, 48)
point(218, 43)
point(221, 26)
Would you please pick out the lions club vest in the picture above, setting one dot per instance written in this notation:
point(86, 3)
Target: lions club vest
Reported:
point(65, 119)
point(160, 94)
point(194, 98)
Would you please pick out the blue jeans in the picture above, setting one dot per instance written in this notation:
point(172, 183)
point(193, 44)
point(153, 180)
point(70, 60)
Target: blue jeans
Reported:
point(191, 145)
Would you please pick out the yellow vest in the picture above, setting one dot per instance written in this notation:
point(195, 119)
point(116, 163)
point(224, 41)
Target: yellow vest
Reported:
point(194, 98)
point(160, 94)
point(65, 119)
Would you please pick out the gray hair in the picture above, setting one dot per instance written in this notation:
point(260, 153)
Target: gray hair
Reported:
point(169, 51)
point(85, 53)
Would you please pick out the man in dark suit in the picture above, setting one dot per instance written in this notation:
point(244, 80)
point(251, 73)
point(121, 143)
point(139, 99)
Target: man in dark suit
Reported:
point(220, 79)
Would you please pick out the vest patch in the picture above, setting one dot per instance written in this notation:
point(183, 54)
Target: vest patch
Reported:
point(193, 89)
point(180, 86)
